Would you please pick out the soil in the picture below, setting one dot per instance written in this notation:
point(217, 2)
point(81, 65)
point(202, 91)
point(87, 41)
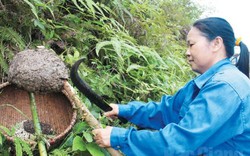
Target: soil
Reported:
point(29, 127)
point(38, 70)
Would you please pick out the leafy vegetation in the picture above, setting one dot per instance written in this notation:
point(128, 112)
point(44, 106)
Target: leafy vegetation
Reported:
point(133, 50)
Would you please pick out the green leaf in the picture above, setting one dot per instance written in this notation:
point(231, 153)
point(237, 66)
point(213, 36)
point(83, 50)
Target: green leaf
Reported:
point(78, 144)
point(26, 147)
point(100, 45)
point(33, 8)
point(39, 24)
point(76, 53)
point(5, 129)
point(94, 149)
point(12, 36)
point(77, 5)
point(3, 63)
point(90, 4)
point(58, 152)
point(132, 67)
point(80, 127)
point(68, 142)
point(117, 46)
point(41, 4)
point(18, 147)
point(88, 137)
point(1, 139)
point(136, 51)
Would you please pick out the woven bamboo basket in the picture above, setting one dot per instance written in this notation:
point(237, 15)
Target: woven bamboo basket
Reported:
point(54, 109)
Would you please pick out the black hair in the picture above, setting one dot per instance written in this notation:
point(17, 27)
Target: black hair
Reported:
point(213, 27)
point(243, 63)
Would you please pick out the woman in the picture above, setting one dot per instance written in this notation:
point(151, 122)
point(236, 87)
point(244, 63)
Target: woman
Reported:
point(210, 115)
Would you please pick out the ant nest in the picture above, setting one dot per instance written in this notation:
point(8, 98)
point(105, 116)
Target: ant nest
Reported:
point(39, 70)
point(26, 130)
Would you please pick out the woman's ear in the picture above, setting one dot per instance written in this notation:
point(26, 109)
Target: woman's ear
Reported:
point(217, 43)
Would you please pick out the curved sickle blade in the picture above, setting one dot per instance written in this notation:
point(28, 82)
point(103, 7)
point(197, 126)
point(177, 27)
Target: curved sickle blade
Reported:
point(86, 90)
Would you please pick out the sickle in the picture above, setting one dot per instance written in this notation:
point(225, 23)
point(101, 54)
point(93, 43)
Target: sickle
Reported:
point(87, 91)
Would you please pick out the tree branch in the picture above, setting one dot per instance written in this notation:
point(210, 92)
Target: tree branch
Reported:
point(87, 116)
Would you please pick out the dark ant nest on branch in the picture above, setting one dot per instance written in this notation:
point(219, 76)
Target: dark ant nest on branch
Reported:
point(28, 126)
point(39, 70)
point(26, 130)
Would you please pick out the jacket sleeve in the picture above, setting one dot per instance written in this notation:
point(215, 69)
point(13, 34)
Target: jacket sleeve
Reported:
point(206, 121)
point(154, 115)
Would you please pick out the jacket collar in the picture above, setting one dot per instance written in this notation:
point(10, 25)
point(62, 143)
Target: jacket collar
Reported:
point(203, 78)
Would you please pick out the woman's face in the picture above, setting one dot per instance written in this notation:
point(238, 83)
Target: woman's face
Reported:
point(200, 52)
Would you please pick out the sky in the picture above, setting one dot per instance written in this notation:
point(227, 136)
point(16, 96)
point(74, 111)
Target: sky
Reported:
point(237, 13)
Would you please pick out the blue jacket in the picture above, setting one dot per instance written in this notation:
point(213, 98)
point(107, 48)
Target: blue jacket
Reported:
point(210, 115)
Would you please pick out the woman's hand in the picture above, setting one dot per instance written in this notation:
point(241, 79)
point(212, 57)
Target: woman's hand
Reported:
point(114, 112)
point(102, 136)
